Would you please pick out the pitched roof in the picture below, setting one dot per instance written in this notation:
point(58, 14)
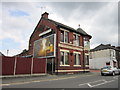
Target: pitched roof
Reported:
point(1, 54)
point(79, 30)
point(102, 47)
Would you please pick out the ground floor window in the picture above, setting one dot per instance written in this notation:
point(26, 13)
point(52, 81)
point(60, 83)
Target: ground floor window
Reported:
point(64, 58)
point(76, 59)
point(87, 59)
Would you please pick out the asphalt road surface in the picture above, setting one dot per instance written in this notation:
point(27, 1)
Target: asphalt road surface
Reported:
point(89, 80)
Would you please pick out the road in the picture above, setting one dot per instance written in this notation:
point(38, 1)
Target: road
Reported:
point(89, 80)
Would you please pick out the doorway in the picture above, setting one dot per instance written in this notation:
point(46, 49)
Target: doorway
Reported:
point(50, 65)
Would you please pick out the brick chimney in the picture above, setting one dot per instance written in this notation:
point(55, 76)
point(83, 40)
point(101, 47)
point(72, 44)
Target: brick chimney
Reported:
point(45, 15)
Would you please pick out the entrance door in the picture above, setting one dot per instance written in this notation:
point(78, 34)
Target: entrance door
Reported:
point(50, 66)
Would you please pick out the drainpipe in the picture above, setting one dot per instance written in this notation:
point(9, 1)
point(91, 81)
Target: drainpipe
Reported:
point(83, 57)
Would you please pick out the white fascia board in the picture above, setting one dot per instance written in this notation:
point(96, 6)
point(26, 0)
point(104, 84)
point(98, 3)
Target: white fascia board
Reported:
point(43, 33)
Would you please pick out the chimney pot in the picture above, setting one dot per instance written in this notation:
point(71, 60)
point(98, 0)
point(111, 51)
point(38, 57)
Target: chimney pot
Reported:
point(45, 15)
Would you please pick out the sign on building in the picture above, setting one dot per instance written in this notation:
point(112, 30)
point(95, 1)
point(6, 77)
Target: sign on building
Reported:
point(45, 47)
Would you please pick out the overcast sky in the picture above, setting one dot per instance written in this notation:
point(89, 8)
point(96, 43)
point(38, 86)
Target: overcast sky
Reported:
point(19, 19)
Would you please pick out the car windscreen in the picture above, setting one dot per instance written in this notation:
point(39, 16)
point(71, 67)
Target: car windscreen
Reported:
point(107, 67)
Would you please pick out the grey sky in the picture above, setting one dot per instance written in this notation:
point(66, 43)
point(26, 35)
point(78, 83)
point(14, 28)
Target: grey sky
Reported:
point(99, 19)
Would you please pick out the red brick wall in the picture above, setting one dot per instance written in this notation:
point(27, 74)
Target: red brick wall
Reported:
point(71, 57)
point(37, 31)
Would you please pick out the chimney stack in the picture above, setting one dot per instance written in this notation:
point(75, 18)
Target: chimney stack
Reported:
point(45, 15)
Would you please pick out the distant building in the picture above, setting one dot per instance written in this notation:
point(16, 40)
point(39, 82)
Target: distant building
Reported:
point(103, 55)
point(66, 49)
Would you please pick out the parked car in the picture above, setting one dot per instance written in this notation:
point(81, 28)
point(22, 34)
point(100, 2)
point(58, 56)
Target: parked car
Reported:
point(108, 70)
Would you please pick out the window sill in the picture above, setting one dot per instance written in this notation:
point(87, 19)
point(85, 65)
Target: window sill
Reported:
point(65, 65)
point(77, 65)
point(71, 44)
point(86, 65)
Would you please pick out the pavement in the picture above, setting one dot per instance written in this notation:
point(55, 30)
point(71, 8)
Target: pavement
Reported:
point(13, 79)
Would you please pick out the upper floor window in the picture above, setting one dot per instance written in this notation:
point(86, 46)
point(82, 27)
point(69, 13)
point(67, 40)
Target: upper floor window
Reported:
point(86, 42)
point(64, 36)
point(76, 40)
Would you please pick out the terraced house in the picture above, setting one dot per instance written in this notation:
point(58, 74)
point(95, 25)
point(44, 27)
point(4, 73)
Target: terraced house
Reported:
point(66, 49)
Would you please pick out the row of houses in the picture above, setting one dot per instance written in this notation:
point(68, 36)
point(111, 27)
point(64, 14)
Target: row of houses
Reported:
point(67, 50)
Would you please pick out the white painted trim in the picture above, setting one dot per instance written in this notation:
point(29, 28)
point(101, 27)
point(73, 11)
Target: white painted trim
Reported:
point(86, 65)
point(63, 50)
point(65, 65)
point(77, 34)
point(86, 53)
point(64, 29)
point(77, 52)
point(77, 65)
point(45, 32)
point(70, 47)
point(71, 70)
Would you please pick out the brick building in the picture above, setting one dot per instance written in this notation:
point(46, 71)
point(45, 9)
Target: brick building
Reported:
point(66, 49)
point(104, 55)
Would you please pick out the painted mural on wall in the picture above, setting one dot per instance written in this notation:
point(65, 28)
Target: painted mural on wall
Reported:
point(45, 47)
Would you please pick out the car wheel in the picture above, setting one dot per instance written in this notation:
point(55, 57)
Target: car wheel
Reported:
point(102, 74)
point(113, 73)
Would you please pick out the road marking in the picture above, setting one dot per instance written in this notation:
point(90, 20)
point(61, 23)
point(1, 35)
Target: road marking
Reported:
point(91, 86)
point(91, 82)
point(102, 83)
point(116, 77)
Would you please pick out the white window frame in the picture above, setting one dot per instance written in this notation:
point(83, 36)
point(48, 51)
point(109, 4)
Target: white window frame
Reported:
point(61, 29)
point(64, 51)
point(87, 54)
point(86, 42)
point(77, 53)
point(75, 41)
